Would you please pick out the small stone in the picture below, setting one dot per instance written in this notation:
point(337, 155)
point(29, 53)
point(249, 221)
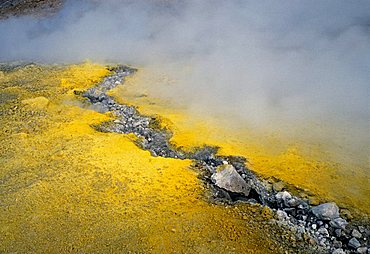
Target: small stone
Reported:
point(338, 232)
point(303, 205)
point(337, 244)
point(278, 186)
point(281, 214)
point(338, 223)
point(367, 232)
point(338, 251)
point(293, 202)
point(327, 211)
point(323, 231)
point(283, 196)
point(314, 226)
point(322, 242)
point(356, 234)
point(361, 229)
point(362, 250)
point(354, 243)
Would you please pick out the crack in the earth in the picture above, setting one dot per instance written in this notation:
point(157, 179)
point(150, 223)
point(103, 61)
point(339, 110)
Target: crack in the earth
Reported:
point(330, 234)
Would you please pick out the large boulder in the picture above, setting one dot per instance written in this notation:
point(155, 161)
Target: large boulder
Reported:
point(327, 211)
point(227, 178)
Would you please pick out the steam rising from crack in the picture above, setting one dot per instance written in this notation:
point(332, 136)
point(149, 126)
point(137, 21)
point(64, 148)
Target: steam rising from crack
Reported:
point(274, 64)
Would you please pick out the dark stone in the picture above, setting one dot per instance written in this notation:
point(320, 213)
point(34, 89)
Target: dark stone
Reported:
point(327, 211)
point(338, 223)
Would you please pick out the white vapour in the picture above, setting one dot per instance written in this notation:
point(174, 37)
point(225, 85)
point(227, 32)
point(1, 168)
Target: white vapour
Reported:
point(269, 62)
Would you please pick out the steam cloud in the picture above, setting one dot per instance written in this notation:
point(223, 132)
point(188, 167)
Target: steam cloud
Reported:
point(269, 62)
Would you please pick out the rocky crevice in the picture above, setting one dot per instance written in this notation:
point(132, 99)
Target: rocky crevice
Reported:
point(229, 178)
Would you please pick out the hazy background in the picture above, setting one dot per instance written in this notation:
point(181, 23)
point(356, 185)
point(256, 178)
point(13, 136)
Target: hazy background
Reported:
point(277, 65)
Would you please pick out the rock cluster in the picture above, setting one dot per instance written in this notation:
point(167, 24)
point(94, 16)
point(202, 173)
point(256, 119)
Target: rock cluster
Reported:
point(229, 178)
point(321, 223)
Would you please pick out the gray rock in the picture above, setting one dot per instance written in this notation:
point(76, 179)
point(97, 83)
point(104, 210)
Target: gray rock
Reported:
point(323, 232)
point(227, 178)
point(283, 196)
point(327, 211)
point(362, 250)
point(361, 229)
point(337, 244)
point(338, 232)
point(367, 232)
point(303, 205)
point(356, 234)
point(338, 251)
point(293, 202)
point(338, 223)
point(281, 215)
point(354, 243)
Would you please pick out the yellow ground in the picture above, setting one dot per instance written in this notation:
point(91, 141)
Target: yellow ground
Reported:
point(66, 188)
point(308, 165)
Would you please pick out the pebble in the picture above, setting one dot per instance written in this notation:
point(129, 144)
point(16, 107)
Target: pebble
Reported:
point(362, 250)
point(338, 251)
point(356, 234)
point(281, 214)
point(283, 196)
point(338, 232)
point(337, 244)
point(338, 223)
point(323, 231)
point(293, 202)
point(354, 243)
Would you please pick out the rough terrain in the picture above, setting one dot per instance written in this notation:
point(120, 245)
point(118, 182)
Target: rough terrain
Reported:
point(321, 223)
point(66, 187)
